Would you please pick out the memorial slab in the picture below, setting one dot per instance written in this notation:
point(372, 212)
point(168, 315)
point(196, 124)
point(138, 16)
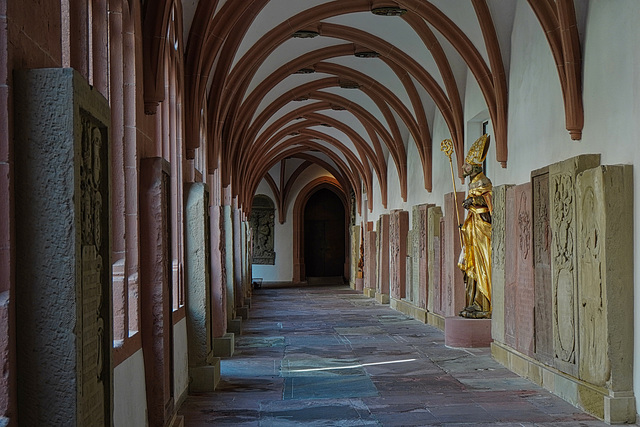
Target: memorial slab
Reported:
point(434, 214)
point(398, 229)
point(604, 206)
point(541, 230)
point(63, 258)
point(498, 224)
point(562, 176)
point(453, 290)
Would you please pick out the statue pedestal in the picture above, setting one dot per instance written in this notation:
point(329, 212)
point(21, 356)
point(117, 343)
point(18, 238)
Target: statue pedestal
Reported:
point(467, 333)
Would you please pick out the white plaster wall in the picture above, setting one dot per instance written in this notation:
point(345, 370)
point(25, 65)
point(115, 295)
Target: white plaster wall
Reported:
point(129, 394)
point(282, 271)
point(180, 361)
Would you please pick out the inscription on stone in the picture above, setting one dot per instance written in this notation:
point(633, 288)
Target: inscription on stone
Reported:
point(543, 343)
point(563, 262)
point(94, 226)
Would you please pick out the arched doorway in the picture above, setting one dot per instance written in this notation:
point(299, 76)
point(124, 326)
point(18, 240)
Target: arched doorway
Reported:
point(324, 235)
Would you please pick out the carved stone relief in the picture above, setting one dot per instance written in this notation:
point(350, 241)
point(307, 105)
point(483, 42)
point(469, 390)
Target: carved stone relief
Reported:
point(543, 343)
point(592, 308)
point(563, 253)
point(93, 171)
point(262, 222)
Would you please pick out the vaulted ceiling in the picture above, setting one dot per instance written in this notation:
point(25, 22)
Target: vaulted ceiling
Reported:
point(347, 84)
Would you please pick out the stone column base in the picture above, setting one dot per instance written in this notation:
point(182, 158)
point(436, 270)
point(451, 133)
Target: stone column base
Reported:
point(409, 309)
point(436, 320)
point(234, 326)
point(382, 298)
point(243, 312)
point(467, 333)
point(204, 378)
point(369, 292)
point(224, 346)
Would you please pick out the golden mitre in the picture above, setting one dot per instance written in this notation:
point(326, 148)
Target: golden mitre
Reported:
point(478, 151)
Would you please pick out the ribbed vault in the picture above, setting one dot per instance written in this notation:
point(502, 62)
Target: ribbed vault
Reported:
point(271, 80)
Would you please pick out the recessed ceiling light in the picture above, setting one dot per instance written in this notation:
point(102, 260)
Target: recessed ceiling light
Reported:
point(306, 70)
point(367, 54)
point(305, 34)
point(389, 11)
point(347, 84)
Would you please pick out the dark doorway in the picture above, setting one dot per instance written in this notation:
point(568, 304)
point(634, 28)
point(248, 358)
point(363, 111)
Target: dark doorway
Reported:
point(324, 235)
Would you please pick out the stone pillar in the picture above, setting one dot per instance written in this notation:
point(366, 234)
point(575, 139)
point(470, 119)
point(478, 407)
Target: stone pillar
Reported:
point(237, 257)
point(227, 215)
point(223, 341)
point(398, 229)
point(218, 273)
point(63, 250)
point(155, 293)
point(604, 204)
point(370, 264)
point(382, 286)
point(498, 267)
point(453, 283)
point(564, 267)
point(434, 214)
point(204, 372)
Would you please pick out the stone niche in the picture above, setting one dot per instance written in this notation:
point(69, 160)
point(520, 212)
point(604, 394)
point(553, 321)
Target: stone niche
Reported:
point(582, 299)
point(63, 250)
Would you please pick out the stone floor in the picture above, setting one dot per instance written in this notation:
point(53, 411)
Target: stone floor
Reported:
point(329, 356)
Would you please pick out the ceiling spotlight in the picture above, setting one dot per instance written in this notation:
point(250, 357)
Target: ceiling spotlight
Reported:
point(367, 54)
point(305, 34)
point(389, 11)
point(348, 84)
point(306, 70)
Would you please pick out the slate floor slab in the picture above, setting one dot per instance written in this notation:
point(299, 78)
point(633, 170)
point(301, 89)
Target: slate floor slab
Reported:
point(328, 356)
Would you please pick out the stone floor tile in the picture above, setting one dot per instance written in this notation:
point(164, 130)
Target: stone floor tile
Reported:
point(328, 356)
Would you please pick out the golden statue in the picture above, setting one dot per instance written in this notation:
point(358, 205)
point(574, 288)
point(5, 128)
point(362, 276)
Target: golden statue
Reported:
point(475, 259)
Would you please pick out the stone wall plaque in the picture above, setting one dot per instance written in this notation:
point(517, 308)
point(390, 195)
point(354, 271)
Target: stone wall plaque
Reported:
point(262, 222)
point(423, 257)
point(370, 260)
point(398, 229)
point(434, 215)
point(498, 264)
point(63, 250)
point(519, 291)
point(543, 320)
point(383, 255)
point(605, 274)
point(562, 177)
point(453, 291)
